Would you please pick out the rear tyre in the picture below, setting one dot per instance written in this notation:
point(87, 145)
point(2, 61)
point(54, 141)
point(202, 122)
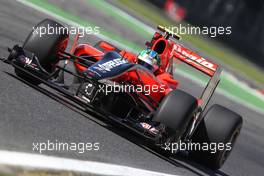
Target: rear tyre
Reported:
point(45, 47)
point(176, 111)
point(221, 127)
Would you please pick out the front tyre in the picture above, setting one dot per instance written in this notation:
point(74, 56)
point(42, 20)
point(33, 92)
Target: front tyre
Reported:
point(176, 112)
point(45, 47)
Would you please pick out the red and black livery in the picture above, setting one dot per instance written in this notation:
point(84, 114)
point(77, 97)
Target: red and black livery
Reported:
point(166, 115)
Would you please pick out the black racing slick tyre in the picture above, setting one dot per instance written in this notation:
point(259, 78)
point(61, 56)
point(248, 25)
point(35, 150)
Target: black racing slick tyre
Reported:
point(219, 130)
point(176, 111)
point(45, 46)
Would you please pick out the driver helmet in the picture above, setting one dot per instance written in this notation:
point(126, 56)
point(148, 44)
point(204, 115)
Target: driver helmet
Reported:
point(149, 59)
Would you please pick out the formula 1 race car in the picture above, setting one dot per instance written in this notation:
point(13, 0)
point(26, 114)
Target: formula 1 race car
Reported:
point(112, 82)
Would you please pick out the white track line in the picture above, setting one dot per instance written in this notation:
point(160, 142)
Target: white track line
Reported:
point(38, 161)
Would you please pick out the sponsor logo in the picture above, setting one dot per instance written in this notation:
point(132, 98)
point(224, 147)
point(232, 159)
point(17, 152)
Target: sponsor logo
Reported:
point(25, 60)
point(145, 125)
point(192, 57)
point(149, 128)
point(107, 66)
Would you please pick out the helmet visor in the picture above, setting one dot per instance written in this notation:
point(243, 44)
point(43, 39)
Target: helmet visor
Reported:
point(149, 59)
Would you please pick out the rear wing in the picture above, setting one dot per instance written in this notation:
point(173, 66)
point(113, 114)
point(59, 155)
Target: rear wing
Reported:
point(194, 60)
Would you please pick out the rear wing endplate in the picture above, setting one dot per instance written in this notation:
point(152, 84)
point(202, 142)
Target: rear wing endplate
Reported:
point(210, 88)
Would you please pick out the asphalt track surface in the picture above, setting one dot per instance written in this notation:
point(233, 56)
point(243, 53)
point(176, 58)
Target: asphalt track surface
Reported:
point(34, 114)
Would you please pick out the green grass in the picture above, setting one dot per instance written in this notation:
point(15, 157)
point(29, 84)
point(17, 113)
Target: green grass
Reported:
point(207, 45)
